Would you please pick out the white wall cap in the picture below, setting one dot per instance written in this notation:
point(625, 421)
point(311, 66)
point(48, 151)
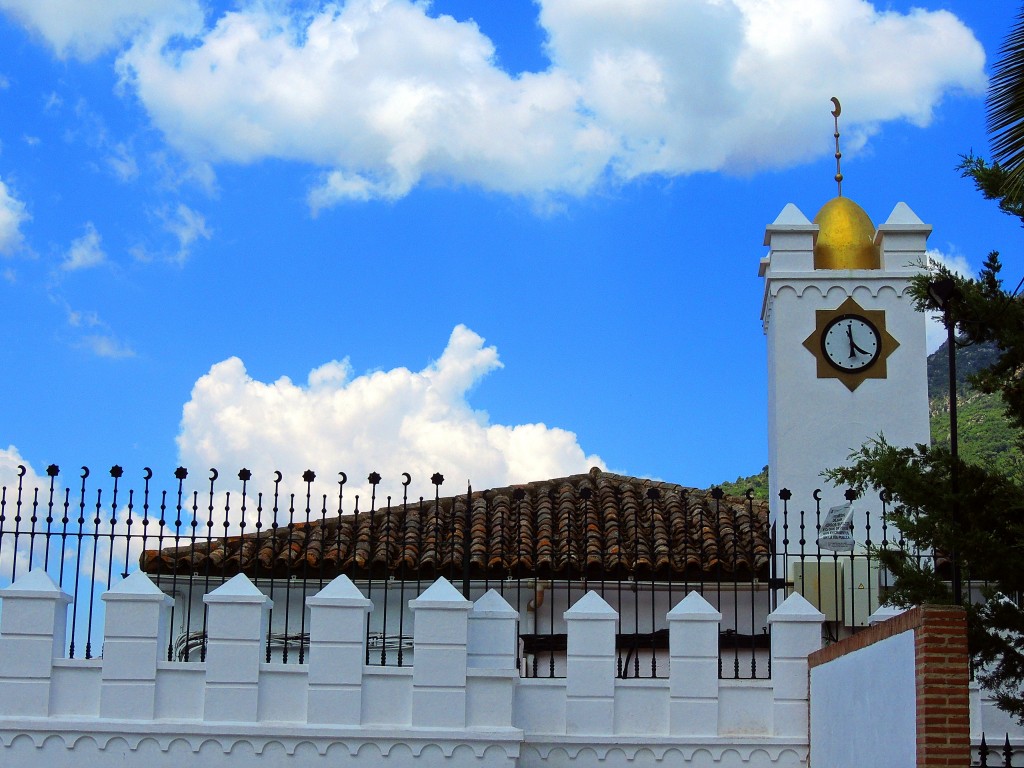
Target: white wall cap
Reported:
point(237, 589)
point(591, 606)
point(902, 219)
point(492, 604)
point(35, 583)
point(694, 607)
point(340, 591)
point(441, 594)
point(791, 219)
point(796, 608)
point(884, 613)
point(137, 585)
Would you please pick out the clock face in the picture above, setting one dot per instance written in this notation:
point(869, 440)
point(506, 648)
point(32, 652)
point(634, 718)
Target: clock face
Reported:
point(851, 343)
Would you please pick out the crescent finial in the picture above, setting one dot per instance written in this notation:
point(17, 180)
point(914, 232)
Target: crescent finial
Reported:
point(817, 494)
point(408, 478)
point(278, 477)
point(148, 474)
point(214, 474)
point(839, 155)
point(344, 478)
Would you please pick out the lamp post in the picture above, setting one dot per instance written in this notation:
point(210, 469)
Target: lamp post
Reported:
point(942, 292)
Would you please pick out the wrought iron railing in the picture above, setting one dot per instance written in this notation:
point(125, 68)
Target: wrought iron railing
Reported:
point(982, 754)
point(542, 553)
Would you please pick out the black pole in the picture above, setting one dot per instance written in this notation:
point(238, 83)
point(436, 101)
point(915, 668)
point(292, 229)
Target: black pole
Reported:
point(954, 452)
point(943, 292)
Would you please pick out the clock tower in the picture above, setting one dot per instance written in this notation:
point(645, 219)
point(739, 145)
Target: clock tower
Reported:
point(846, 347)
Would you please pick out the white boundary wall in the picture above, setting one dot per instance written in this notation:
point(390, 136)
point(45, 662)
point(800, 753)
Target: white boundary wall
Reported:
point(461, 703)
point(864, 706)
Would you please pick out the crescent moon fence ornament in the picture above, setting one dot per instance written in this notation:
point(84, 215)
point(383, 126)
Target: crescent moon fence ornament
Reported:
point(21, 470)
point(408, 478)
point(214, 474)
point(85, 472)
point(839, 109)
point(344, 478)
point(278, 477)
point(148, 474)
point(749, 494)
point(817, 494)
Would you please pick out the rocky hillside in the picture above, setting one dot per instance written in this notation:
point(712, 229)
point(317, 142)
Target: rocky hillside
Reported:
point(985, 435)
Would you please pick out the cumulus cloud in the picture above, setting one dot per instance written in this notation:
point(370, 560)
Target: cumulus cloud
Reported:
point(85, 251)
point(12, 216)
point(86, 29)
point(381, 96)
point(390, 421)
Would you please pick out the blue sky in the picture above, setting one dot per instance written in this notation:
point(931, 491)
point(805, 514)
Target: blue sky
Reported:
point(504, 241)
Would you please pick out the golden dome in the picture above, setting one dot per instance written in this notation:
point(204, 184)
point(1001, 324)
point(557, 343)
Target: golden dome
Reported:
point(845, 237)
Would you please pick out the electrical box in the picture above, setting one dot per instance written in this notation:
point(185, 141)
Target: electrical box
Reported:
point(844, 589)
point(820, 584)
point(860, 599)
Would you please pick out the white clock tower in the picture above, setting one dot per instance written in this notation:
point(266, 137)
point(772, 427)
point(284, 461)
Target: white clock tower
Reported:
point(846, 347)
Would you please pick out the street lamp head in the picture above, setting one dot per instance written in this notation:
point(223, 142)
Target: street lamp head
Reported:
point(943, 290)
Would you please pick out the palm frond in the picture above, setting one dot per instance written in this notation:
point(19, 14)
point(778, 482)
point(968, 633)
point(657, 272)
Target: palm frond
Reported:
point(1005, 107)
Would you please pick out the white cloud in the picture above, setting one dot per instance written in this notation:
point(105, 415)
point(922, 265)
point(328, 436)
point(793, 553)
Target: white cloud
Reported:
point(12, 216)
point(122, 162)
point(90, 332)
point(390, 421)
point(381, 96)
point(85, 251)
point(87, 29)
point(105, 345)
point(187, 226)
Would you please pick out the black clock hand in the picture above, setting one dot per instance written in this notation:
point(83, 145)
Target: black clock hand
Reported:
point(849, 335)
point(862, 351)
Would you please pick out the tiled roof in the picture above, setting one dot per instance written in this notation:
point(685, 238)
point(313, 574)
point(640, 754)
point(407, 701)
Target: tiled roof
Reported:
point(586, 525)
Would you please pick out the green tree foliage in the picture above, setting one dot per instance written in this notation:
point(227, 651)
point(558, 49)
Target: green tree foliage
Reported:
point(985, 532)
point(757, 483)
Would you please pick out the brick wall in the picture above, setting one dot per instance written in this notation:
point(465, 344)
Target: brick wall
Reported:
point(941, 675)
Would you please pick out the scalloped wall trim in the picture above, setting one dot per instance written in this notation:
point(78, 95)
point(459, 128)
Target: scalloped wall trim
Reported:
point(355, 741)
point(823, 290)
point(490, 746)
point(742, 750)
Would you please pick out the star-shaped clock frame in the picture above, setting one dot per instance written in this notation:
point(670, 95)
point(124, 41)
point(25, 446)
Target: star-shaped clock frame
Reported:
point(851, 379)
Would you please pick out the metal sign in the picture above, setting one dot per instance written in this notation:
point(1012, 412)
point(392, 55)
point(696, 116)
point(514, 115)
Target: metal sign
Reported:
point(837, 530)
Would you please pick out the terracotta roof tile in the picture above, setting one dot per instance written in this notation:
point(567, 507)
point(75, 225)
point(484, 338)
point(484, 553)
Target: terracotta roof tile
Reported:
point(582, 525)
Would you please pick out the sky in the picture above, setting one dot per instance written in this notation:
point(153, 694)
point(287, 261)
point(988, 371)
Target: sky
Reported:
point(504, 241)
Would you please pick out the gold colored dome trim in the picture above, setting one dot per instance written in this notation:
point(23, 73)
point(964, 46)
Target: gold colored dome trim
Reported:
point(845, 237)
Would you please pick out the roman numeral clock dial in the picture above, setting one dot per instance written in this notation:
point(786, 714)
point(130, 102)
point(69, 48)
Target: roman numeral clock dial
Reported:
point(851, 344)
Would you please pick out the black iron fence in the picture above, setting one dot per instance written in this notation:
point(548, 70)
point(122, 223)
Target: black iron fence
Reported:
point(641, 545)
point(983, 754)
